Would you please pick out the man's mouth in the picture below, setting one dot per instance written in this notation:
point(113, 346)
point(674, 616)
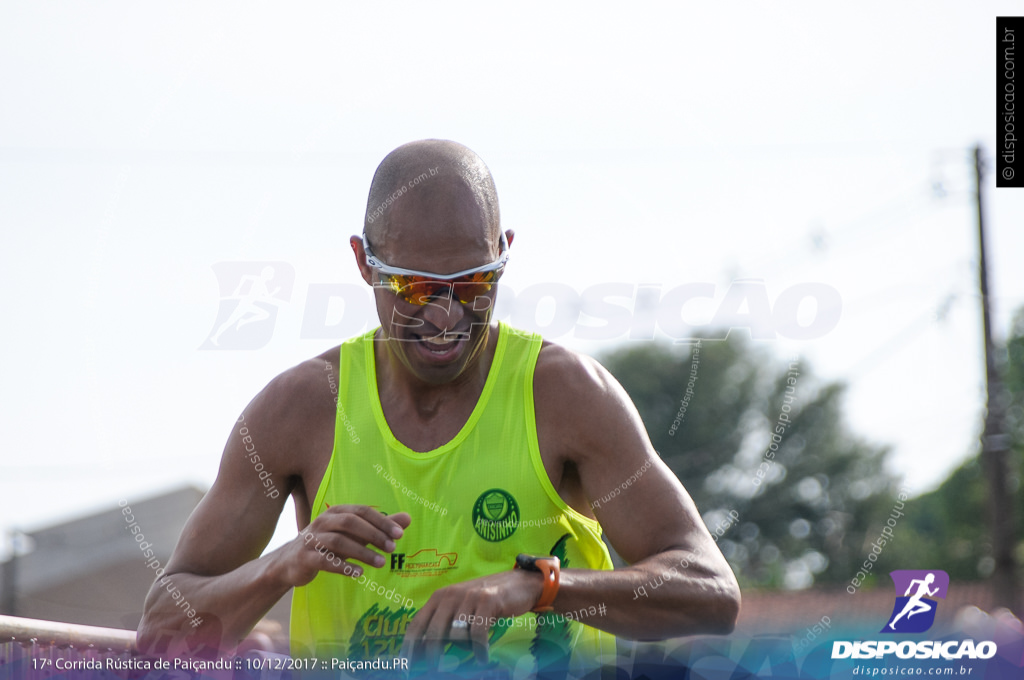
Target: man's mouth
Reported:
point(441, 346)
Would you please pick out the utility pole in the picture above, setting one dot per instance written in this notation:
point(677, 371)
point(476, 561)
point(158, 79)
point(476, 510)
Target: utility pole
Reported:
point(995, 442)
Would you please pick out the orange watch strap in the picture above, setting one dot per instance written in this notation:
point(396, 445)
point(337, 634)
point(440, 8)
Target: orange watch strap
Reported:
point(550, 569)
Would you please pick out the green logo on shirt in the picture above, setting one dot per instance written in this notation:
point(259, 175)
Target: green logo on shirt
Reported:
point(495, 515)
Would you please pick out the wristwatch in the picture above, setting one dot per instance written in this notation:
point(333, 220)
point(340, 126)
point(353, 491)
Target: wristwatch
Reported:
point(549, 567)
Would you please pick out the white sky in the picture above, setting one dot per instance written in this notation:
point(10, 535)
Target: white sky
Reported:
point(141, 144)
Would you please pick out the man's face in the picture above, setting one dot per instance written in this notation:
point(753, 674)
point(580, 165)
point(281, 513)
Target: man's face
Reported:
point(443, 231)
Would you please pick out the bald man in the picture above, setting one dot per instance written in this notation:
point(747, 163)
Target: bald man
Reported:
point(444, 470)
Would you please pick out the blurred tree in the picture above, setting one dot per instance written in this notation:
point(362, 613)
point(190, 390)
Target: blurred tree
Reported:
point(806, 519)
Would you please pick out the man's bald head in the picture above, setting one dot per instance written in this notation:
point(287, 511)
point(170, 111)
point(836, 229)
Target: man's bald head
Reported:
point(438, 171)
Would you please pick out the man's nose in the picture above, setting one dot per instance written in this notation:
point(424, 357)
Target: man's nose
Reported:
point(444, 311)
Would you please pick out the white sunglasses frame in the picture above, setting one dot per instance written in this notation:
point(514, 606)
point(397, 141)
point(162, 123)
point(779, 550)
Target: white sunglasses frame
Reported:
point(374, 262)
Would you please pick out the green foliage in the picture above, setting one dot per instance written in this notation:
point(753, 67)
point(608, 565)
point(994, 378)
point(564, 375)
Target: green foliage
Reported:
point(945, 527)
point(808, 517)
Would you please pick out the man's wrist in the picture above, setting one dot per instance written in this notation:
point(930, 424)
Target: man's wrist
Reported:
point(533, 584)
point(277, 573)
point(548, 567)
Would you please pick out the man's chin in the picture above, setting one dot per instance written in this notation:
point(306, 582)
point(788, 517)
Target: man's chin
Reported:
point(439, 362)
point(434, 363)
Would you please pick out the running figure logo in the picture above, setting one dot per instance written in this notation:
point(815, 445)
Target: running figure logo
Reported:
point(914, 611)
point(250, 293)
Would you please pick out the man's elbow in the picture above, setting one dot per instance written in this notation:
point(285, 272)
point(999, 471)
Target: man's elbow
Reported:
point(726, 609)
point(152, 626)
point(146, 637)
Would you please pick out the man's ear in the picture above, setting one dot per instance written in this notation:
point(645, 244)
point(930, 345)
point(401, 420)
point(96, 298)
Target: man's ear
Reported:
point(510, 234)
point(364, 269)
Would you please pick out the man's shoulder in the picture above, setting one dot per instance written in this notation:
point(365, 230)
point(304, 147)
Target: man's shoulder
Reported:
point(579, 404)
point(305, 384)
point(571, 379)
point(558, 361)
point(302, 391)
point(312, 370)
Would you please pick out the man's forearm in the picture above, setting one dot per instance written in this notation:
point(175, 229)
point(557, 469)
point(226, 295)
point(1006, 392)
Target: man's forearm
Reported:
point(667, 595)
point(229, 605)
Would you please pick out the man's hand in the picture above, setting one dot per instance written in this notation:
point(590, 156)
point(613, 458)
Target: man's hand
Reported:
point(479, 603)
point(339, 534)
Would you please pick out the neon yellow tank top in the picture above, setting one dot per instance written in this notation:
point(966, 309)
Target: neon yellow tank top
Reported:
point(476, 502)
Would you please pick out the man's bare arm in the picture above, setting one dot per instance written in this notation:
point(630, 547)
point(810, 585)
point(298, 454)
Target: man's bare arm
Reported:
point(677, 581)
point(216, 566)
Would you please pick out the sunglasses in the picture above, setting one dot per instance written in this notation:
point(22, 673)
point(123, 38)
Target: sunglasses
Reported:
point(418, 288)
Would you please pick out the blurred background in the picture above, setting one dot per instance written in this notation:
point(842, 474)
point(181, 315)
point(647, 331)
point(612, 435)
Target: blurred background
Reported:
point(178, 184)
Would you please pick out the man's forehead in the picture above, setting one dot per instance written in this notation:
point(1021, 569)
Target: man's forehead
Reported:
point(448, 217)
point(421, 246)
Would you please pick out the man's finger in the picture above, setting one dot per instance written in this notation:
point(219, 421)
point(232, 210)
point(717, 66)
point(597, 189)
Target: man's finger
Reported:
point(437, 633)
point(413, 632)
point(479, 632)
point(345, 548)
point(386, 524)
point(368, 527)
point(389, 525)
point(403, 519)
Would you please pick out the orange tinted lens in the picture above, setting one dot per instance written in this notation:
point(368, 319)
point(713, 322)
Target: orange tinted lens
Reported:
point(469, 288)
point(417, 290)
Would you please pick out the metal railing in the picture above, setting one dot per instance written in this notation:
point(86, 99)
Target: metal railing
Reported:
point(31, 649)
